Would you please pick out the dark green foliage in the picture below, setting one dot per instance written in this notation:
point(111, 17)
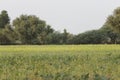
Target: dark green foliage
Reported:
point(111, 36)
point(4, 40)
point(26, 28)
point(90, 37)
point(114, 20)
point(49, 29)
point(104, 35)
point(4, 19)
point(9, 32)
point(55, 38)
point(65, 36)
point(29, 29)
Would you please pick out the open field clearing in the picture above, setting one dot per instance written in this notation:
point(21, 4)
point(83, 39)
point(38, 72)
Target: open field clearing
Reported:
point(60, 62)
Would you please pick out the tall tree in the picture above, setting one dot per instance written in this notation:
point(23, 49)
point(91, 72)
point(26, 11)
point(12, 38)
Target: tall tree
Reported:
point(114, 20)
point(31, 30)
point(4, 19)
point(65, 36)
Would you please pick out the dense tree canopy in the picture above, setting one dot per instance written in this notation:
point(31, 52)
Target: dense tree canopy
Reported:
point(4, 39)
point(114, 20)
point(4, 19)
point(111, 36)
point(29, 29)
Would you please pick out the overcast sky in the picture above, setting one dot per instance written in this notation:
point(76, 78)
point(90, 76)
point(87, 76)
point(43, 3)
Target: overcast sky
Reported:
point(75, 15)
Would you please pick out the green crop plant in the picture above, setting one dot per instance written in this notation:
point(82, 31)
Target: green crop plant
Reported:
point(60, 62)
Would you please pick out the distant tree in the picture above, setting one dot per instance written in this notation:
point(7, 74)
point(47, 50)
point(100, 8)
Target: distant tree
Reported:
point(31, 30)
point(47, 34)
point(114, 20)
point(70, 39)
point(110, 34)
point(4, 19)
point(89, 37)
point(59, 38)
point(54, 38)
point(9, 32)
point(65, 36)
point(49, 29)
point(4, 40)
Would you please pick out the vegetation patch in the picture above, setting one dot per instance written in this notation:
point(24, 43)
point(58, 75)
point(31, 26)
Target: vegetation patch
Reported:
point(65, 62)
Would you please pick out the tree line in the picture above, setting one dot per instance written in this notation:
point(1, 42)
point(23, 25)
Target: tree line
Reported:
point(30, 29)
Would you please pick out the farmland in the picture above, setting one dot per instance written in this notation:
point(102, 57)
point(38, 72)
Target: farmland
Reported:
point(60, 62)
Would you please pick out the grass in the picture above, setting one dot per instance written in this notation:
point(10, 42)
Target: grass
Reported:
point(60, 62)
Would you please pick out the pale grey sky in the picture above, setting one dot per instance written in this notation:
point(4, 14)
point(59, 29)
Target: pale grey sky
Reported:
point(75, 15)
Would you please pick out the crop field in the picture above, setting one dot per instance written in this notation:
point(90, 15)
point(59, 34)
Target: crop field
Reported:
point(60, 62)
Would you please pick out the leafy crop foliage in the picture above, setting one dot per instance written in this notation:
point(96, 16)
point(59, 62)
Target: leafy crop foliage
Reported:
point(65, 62)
